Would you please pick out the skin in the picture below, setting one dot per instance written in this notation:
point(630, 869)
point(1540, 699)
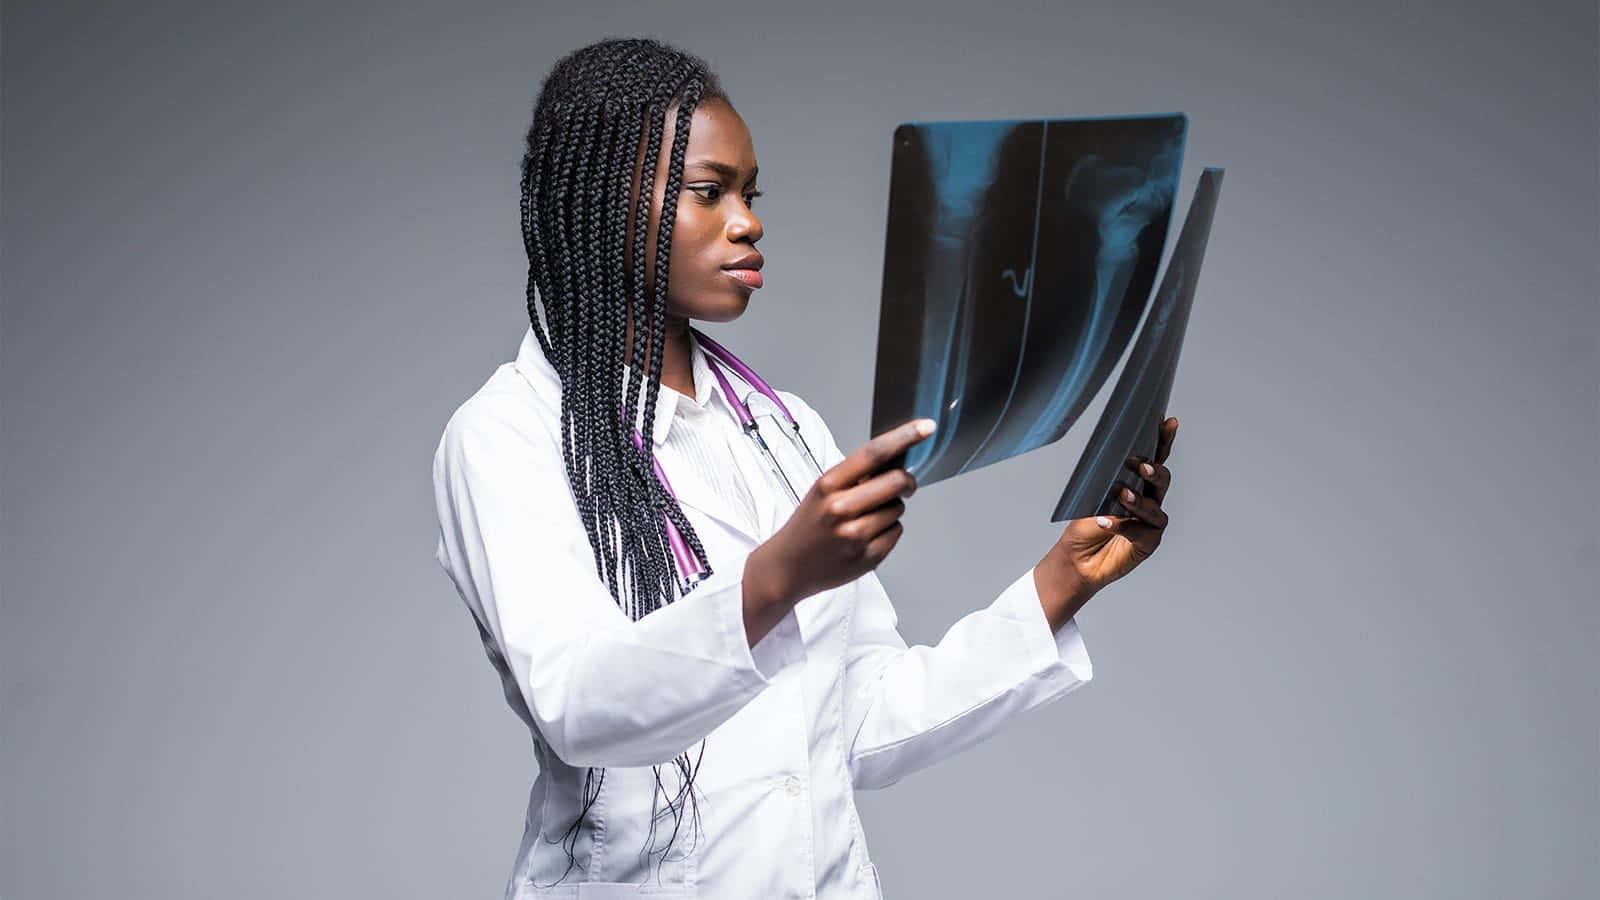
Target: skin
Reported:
point(850, 518)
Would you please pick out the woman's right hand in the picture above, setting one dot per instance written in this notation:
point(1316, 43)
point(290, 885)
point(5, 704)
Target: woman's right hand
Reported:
point(845, 525)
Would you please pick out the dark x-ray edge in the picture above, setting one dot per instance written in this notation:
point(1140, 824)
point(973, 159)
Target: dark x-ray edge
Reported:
point(1131, 421)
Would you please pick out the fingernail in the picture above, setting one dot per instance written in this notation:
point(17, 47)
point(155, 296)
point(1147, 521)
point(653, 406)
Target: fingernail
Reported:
point(1102, 521)
point(926, 427)
point(1127, 494)
point(1146, 470)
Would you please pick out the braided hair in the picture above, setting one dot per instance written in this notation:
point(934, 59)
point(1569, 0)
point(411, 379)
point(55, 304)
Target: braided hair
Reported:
point(593, 110)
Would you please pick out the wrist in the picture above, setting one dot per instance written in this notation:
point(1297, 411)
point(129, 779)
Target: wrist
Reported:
point(761, 567)
point(1062, 588)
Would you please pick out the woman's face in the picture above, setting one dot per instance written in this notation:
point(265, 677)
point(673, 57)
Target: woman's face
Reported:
point(713, 265)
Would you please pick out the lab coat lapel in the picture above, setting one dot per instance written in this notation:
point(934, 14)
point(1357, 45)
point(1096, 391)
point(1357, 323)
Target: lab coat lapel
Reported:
point(719, 509)
point(753, 470)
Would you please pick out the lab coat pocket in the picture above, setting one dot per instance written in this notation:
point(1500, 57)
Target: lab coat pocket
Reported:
point(627, 890)
point(877, 886)
point(608, 890)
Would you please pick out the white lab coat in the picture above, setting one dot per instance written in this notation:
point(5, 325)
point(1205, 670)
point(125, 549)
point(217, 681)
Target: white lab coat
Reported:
point(829, 701)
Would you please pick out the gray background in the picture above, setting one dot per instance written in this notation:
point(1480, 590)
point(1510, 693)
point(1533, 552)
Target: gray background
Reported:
point(255, 254)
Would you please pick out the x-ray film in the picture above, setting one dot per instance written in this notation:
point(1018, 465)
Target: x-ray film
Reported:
point(1130, 424)
point(1019, 258)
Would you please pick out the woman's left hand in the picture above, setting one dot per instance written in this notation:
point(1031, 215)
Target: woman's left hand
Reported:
point(1098, 554)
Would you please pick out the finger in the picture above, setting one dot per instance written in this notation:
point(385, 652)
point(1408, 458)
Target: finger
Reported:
point(1144, 537)
point(871, 494)
point(874, 455)
point(1168, 431)
point(1157, 477)
point(865, 529)
point(880, 546)
point(1145, 509)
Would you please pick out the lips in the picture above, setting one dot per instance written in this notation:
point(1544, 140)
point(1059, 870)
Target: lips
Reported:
point(746, 269)
point(750, 278)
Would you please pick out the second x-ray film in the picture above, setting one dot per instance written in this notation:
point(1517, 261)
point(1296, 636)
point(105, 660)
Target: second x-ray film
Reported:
point(1130, 425)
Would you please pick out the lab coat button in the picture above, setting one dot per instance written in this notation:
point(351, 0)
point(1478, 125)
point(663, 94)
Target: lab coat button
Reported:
point(792, 785)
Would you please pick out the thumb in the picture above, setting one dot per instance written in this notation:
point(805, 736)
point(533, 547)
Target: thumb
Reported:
point(1088, 531)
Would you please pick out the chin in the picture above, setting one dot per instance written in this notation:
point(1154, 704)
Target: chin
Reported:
point(725, 310)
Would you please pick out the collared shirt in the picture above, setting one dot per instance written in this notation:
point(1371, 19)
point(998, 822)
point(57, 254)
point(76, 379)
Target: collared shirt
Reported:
point(829, 701)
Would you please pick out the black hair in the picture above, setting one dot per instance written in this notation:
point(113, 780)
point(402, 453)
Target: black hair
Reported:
point(593, 109)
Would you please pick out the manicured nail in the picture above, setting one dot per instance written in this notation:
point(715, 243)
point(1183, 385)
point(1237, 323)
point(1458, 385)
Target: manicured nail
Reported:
point(1102, 521)
point(1146, 470)
point(1127, 494)
point(926, 427)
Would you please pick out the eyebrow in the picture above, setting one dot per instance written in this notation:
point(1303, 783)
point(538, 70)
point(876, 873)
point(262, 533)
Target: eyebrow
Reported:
point(723, 169)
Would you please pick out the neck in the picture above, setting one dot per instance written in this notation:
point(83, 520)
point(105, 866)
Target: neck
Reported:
point(677, 366)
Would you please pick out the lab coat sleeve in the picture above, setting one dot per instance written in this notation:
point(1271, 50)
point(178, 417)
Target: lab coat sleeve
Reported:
point(600, 689)
point(907, 707)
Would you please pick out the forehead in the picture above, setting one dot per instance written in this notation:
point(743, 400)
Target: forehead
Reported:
point(718, 134)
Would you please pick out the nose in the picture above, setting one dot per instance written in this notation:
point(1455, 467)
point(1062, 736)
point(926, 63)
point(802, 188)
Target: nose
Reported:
point(744, 225)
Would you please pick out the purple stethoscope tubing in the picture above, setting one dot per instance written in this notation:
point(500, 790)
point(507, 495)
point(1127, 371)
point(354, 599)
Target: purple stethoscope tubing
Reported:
point(692, 569)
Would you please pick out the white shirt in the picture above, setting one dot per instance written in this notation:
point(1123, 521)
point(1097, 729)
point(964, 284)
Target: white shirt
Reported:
point(698, 439)
point(829, 701)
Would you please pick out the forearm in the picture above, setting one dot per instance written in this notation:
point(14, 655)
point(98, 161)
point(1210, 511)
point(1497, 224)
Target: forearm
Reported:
point(1062, 590)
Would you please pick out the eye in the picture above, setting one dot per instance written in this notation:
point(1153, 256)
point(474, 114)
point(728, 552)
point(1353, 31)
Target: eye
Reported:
point(711, 193)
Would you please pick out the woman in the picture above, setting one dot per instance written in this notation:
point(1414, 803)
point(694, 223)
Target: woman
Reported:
point(704, 744)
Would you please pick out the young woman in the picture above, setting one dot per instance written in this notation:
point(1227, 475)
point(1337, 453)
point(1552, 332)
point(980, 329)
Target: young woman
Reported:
point(703, 738)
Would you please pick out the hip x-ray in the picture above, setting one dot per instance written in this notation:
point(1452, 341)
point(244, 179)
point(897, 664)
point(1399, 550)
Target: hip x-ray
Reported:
point(1019, 258)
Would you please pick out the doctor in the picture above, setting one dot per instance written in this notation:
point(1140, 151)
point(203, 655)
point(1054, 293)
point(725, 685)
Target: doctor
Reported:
point(707, 663)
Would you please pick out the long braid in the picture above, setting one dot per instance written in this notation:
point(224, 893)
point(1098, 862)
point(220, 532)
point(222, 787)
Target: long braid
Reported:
point(642, 337)
point(658, 307)
point(586, 309)
point(616, 173)
point(579, 161)
point(533, 192)
point(606, 223)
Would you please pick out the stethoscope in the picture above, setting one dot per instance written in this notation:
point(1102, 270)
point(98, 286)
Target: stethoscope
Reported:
point(694, 570)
